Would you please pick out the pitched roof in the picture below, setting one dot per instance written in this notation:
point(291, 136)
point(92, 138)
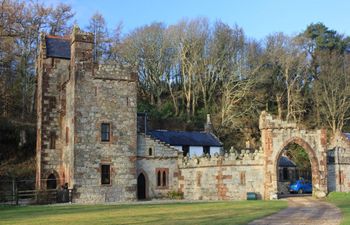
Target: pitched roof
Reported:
point(181, 138)
point(58, 47)
point(347, 135)
point(285, 162)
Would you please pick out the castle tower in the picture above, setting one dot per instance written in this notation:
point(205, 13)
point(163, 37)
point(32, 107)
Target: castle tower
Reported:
point(96, 123)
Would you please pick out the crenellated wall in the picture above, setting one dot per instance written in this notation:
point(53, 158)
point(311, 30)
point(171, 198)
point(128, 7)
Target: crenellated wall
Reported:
point(225, 177)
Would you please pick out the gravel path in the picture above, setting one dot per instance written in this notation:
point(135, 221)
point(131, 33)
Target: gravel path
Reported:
point(304, 210)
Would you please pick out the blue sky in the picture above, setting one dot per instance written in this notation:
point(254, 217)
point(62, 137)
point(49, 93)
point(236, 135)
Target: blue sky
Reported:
point(258, 18)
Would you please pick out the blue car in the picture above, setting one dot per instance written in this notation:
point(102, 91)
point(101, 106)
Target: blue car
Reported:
point(300, 186)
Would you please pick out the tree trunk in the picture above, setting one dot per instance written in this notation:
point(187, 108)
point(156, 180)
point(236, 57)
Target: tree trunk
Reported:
point(279, 106)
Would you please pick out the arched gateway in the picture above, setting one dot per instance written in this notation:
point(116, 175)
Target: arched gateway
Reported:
point(276, 135)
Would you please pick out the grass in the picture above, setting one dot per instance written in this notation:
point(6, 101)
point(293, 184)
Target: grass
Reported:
point(342, 201)
point(224, 212)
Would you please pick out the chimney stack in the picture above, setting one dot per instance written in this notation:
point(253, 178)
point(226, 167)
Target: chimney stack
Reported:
point(208, 127)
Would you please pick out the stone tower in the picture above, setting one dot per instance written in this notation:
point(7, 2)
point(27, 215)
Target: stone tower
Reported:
point(86, 121)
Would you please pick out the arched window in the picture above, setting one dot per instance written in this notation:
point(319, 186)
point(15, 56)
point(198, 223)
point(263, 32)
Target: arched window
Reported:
point(51, 182)
point(159, 179)
point(52, 140)
point(150, 152)
point(164, 179)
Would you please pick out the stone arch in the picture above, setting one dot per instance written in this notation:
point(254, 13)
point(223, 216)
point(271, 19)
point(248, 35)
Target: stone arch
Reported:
point(51, 177)
point(311, 154)
point(276, 135)
point(142, 185)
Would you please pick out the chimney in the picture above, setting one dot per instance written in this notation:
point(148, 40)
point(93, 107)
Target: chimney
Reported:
point(247, 144)
point(208, 127)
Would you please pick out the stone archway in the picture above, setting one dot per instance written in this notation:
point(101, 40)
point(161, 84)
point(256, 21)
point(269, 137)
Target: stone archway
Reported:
point(276, 135)
point(51, 182)
point(142, 185)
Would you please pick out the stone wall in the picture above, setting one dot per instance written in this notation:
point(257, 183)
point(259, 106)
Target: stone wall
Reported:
point(153, 155)
point(225, 177)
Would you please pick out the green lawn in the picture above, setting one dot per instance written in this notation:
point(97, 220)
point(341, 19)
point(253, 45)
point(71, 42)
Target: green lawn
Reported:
point(225, 212)
point(342, 200)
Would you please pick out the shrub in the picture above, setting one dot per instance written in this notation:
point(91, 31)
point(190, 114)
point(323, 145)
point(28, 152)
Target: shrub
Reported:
point(175, 195)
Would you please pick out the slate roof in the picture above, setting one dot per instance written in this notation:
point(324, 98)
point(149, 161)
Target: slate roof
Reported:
point(285, 162)
point(58, 47)
point(181, 138)
point(347, 135)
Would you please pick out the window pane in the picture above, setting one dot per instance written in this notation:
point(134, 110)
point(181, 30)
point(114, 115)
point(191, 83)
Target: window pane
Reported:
point(105, 131)
point(105, 174)
point(158, 179)
point(105, 127)
point(164, 179)
point(52, 140)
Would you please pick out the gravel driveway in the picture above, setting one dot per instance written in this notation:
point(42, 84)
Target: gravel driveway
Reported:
point(304, 210)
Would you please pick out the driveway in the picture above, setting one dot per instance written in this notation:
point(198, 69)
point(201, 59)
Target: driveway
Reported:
point(304, 210)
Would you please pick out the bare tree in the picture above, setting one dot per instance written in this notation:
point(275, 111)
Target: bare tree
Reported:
point(97, 26)
point(58, 19)
point(148, 51)
point(333, 87)
point(288, 67)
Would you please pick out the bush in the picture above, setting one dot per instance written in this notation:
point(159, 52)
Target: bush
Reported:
point(175, 195)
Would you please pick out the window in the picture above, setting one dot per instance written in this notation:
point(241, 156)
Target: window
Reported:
point(105, 174)
point(67, 135)
point(185, 150)
point(150, 152)
point(52, 140)
point(242, 178)
point(206, 150)
point(105, 132)
point(51, 182)
point(341, 177)
point(52, 102)
point(159, 179)
point(330, 157)
point(162, 177)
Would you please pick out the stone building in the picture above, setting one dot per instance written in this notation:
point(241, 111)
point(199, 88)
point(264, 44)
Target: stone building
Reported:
point(87, 137)
point(86, 134)
point(191, 143)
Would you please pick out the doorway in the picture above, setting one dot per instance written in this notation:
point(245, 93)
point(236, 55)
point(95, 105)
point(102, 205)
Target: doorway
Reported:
point(141, 187)
point(51, 182)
